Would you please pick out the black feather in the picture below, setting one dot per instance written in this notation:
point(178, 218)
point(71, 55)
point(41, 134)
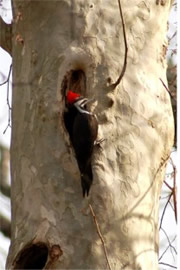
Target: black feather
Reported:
point(82, 128)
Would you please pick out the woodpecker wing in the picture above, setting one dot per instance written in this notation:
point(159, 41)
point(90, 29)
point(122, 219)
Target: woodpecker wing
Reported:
point(85, 130)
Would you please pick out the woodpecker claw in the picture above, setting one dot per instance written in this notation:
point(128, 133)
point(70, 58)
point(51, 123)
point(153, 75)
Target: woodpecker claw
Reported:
point(98, 142)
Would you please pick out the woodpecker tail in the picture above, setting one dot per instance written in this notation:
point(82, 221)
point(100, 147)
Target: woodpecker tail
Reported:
point(86, 180)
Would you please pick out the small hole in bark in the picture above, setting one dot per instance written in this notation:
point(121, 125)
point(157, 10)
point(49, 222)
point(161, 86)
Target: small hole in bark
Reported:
point(110, 103)
point(33, 256)
point(109, 80)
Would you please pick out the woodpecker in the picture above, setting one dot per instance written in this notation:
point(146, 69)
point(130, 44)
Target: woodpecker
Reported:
point(82, 127)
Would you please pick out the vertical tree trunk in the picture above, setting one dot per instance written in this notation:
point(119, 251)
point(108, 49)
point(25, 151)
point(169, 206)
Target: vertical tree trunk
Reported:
point(52, 224)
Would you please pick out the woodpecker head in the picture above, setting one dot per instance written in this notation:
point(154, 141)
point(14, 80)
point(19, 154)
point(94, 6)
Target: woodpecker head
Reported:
point(77, 101)
point(72, 97)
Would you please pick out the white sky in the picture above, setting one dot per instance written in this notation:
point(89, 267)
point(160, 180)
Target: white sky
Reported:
point(5, 62)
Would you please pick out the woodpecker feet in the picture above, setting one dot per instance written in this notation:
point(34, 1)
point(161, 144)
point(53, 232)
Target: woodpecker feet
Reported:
point(99, 142)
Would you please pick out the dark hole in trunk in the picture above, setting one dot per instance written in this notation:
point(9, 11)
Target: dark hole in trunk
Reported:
point(33, 256)
point(74, 80)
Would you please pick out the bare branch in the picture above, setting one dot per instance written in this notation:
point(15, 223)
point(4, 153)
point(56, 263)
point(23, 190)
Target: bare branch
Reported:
point(100, 235)
point(169, 246)
point(167, 264)
point(126, 49)
point(7, 80)
point(163, 213)
point(168, 185)
point(5, 36)
point(174, 189)
point(167, 89)
point(7, 100)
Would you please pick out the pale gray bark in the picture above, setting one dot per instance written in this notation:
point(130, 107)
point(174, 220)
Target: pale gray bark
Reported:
point(135, 120)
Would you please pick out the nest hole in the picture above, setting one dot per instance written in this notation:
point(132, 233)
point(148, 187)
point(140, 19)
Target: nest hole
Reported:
point(33, 256)
point(74, 80)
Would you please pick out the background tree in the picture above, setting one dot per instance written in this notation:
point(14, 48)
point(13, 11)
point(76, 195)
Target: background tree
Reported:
point(128, 170)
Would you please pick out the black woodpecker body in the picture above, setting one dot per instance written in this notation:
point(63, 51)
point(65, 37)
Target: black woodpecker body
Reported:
point(82, 127)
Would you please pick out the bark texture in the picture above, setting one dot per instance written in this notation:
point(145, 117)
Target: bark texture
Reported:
point(49, 215)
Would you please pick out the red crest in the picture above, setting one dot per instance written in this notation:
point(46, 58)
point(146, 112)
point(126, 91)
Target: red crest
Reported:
point(72, 97)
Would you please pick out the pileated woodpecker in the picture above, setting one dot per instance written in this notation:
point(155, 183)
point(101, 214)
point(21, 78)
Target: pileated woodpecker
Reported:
point(82, 127)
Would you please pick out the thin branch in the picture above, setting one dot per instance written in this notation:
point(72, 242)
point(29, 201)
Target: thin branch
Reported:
point(100, 235)
point(174, 34)
point(167, 264)
point(163, 213)
point(167, 89)
point(168, 185)
point(174, 189)
point(169, 246)
point(10, 68)
point(164, 198)
point(5, 36)
point(172, 207)
point(126, 49)
point(7, 101)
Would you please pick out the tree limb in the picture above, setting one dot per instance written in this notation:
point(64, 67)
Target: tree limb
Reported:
point(6, 36)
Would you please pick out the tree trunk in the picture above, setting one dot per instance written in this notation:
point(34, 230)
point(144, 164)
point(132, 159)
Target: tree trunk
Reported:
point(79, 45)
